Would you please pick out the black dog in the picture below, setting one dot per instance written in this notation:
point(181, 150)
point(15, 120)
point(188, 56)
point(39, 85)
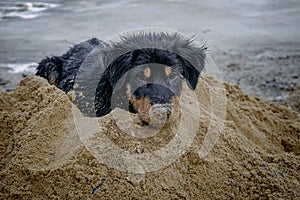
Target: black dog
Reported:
point(142, 73)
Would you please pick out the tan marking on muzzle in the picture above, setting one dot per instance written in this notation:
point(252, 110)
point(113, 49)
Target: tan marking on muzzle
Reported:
point(175, 109)
point(168, 71)
point(128, 90)
point(142, 106)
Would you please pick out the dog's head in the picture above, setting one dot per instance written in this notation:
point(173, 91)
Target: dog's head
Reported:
point(148, 80)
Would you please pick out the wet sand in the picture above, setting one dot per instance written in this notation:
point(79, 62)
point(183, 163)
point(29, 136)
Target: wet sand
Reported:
point(256, 154)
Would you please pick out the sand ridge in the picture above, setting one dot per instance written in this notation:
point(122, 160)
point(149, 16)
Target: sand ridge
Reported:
point(42, 157)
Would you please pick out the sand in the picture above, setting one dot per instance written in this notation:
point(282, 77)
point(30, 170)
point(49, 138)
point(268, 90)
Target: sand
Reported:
point(256, 154)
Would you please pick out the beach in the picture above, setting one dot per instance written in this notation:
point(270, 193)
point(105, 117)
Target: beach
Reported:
point(242, 141)
point(45, 155)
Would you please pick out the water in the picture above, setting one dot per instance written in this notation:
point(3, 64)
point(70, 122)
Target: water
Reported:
point(30, 31)
point(24, 68)
point(23, 10)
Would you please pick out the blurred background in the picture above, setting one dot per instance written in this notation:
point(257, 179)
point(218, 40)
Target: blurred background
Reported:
point(255, 43)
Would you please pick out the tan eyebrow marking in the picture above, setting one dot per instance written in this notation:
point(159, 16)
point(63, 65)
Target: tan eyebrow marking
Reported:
point(168, 71)
point(147, 72)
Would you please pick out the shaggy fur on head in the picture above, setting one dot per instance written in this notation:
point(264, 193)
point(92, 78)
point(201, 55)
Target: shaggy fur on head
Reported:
point(172, 42)
point(102, 66)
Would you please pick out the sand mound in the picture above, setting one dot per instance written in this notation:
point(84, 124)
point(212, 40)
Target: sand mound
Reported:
point(256, 155)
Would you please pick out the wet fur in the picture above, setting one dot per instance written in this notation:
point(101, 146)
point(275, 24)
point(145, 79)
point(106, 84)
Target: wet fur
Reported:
point(118, 58)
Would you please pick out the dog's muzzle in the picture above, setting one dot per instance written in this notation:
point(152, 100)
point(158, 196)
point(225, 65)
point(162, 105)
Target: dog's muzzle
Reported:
point(159, 114)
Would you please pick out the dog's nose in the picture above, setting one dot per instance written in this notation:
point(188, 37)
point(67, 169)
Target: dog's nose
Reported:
point(160, 112)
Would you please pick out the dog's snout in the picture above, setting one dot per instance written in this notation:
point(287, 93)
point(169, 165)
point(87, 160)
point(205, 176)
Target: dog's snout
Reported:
point(160, 112)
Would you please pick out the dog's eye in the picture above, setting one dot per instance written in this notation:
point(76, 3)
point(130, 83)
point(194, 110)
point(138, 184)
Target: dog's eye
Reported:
point(143, 75)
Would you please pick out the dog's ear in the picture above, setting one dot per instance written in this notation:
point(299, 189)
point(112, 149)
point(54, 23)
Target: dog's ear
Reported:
point(192, 64)
point(190, 73)
point(103, 96)
point(110, 92)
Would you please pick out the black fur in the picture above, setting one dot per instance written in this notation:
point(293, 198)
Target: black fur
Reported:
point(64, 68)
point(118, 59)
point(130, 60)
